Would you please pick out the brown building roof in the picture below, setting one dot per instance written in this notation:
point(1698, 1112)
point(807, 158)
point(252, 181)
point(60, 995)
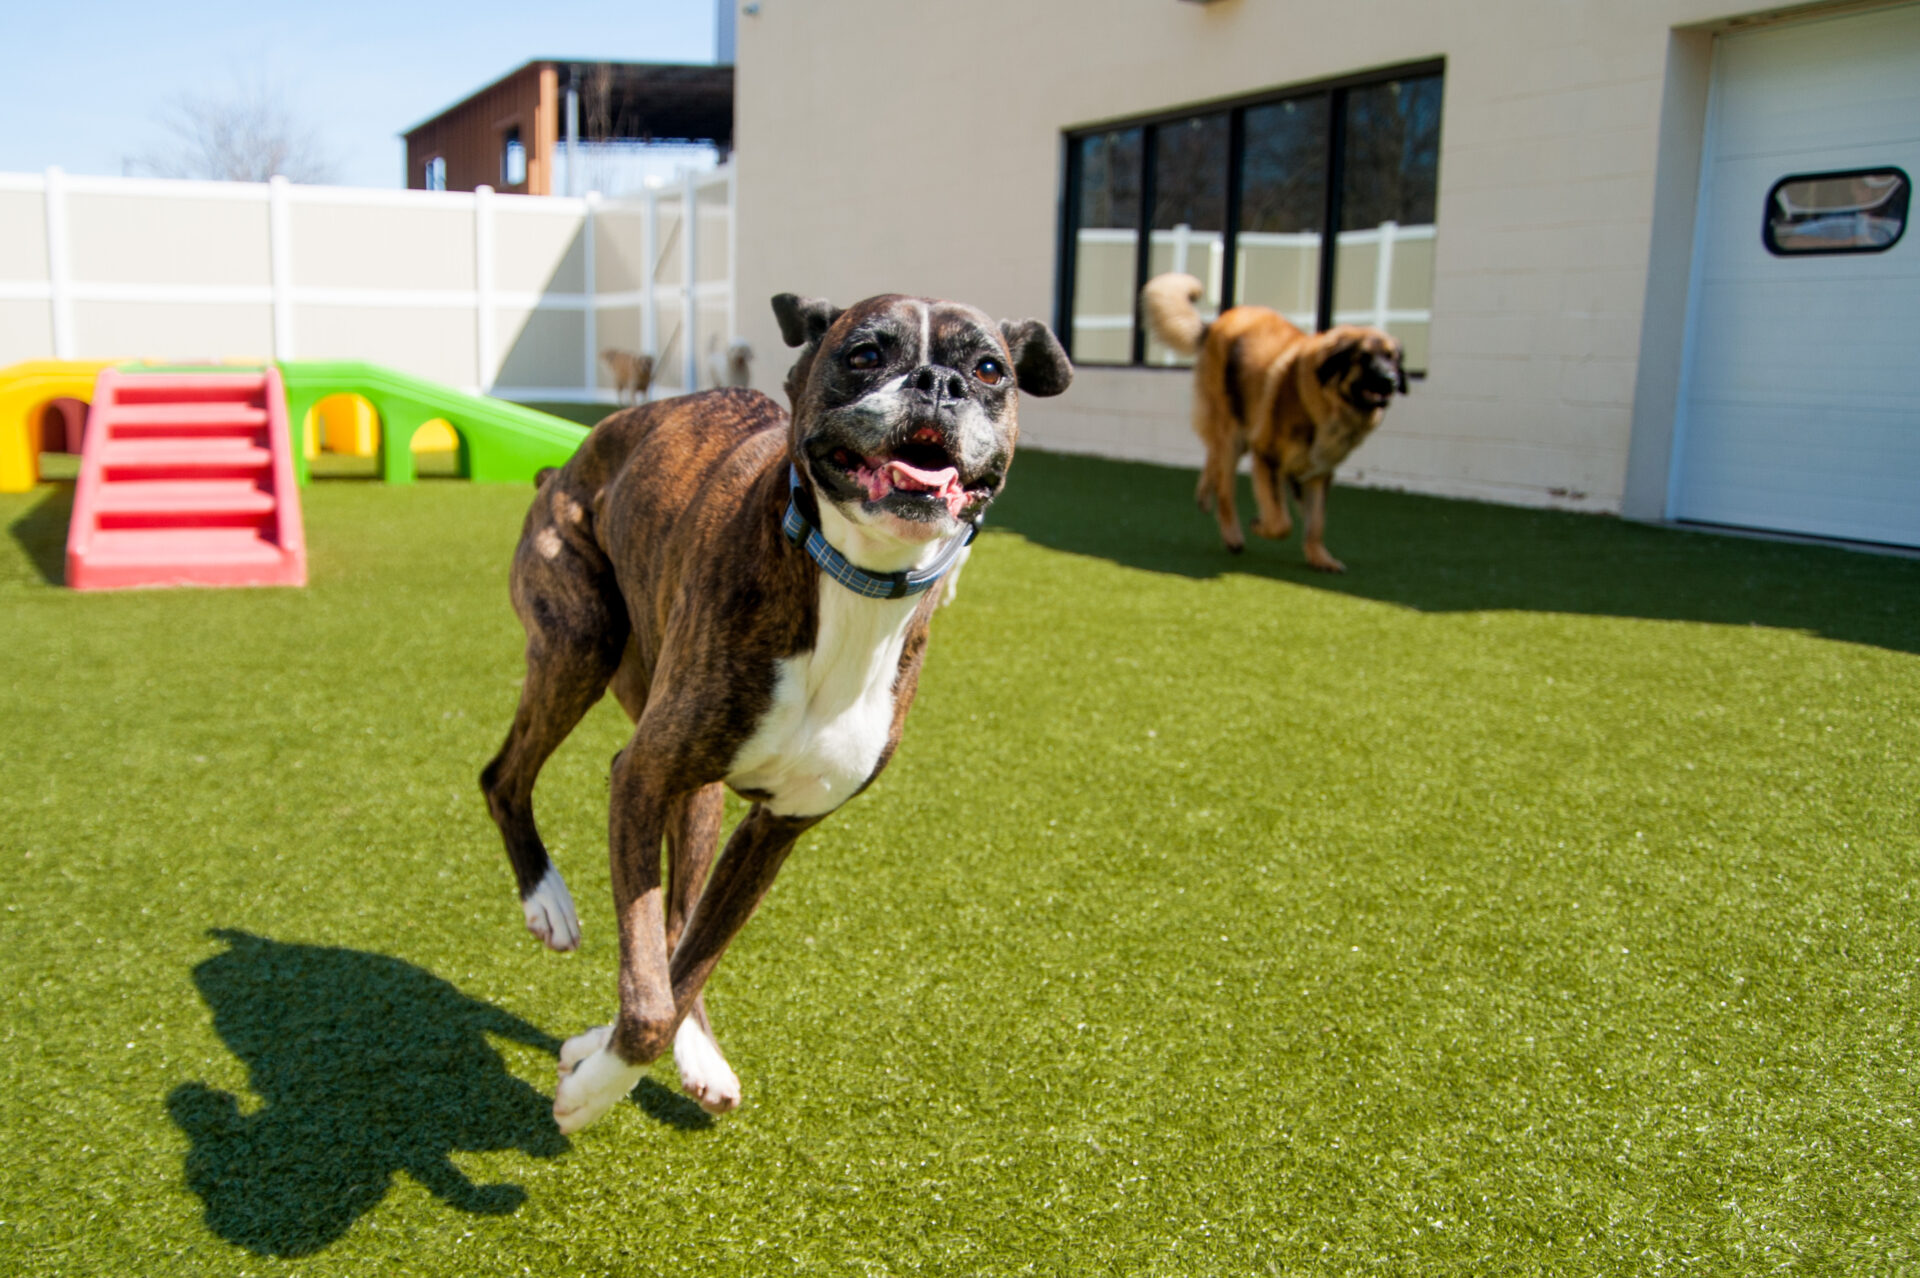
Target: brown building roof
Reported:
point(631, 101)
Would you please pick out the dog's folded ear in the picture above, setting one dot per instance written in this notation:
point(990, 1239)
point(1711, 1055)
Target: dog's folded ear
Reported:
point(1400, 368)
point(803, 319)
point(1337, 361)
point(1040, 366)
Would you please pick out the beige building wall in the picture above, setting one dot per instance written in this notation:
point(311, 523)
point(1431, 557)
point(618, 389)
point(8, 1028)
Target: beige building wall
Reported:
point(877, 154)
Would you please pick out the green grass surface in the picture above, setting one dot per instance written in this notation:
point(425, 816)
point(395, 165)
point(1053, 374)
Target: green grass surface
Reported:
point(1537, 899)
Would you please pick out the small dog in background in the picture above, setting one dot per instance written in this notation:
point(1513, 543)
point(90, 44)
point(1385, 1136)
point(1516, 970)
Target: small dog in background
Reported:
point(731, 367)
point(632, 374)
point(1298, 402)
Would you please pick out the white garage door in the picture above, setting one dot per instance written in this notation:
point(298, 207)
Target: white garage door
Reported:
point(1801, 407)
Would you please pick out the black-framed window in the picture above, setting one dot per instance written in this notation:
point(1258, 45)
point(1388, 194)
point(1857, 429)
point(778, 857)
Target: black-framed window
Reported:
point(1852, 211)
point(1318, 202)
point(513, 158)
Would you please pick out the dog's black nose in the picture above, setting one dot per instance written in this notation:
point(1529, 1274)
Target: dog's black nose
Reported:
point(939, 381)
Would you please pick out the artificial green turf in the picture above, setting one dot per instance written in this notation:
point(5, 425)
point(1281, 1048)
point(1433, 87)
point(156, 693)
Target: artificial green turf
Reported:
point(1536, 899)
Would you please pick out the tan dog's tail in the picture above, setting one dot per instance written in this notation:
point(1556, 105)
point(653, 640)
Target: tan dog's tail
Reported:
point(1168, 302)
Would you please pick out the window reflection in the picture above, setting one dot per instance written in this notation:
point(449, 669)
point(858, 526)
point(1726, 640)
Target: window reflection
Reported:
point(1189, 211)
point(1383, 256)
point(1283, 199)
point(1250, 200)
point(1106, 242)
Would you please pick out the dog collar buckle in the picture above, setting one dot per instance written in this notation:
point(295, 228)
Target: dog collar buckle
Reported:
point(868, 585)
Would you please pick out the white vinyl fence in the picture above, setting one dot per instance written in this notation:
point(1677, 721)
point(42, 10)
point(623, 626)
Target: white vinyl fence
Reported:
point(510, 295)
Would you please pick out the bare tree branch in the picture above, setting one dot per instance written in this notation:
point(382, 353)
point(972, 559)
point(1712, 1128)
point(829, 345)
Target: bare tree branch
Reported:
point(246, 135)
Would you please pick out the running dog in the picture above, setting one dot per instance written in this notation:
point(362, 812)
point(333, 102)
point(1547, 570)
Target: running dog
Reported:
point(754, 587)
point(1298, 402)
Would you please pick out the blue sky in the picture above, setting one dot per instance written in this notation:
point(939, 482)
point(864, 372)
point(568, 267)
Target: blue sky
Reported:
point(86, 79)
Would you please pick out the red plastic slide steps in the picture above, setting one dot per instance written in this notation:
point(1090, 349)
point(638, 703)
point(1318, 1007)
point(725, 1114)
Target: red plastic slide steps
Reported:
point(186, 480)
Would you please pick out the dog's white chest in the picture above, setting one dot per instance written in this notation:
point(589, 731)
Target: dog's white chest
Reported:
point(832, 708)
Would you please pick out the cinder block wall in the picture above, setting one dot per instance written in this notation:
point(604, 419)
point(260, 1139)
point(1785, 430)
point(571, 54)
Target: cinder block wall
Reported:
point(877, 154)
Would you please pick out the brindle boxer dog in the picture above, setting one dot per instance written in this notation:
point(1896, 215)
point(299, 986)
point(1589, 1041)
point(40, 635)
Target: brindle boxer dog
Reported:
point(754, 588)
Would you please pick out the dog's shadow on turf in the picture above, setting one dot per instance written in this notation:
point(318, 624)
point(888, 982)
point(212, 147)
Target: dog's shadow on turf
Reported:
point(1439, 555)
point(365, 1066)
point(42, 533)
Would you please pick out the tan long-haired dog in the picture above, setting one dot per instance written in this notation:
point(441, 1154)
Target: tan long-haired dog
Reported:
point(632, 374)
point(1298, 402)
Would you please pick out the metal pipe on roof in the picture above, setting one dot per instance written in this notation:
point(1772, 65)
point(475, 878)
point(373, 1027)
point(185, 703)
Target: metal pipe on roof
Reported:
point(573, 136)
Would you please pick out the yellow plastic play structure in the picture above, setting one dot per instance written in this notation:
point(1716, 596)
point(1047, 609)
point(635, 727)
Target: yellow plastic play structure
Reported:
point(347, 424)
point(343, 424)
point(340, 407)
point(25, 391)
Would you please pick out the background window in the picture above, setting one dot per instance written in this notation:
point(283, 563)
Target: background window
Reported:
point(437, 173)
point(1283, 204)
point(1383, 274)
point(513, 158)
point(1189, 229)
point(1864, 211)
point(1105, 248)
point(1322, 202)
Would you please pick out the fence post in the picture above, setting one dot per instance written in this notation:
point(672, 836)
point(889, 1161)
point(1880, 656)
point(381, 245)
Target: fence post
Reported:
point(591, 326)
point(59, 276)
point(733, 252)
point(280, 255)
point(689, 265)
point(483, 345)
point(650, 296)
point(1383, 274)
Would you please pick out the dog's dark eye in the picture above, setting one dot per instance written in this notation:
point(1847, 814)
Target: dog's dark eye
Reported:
point(990, 372)
point(864, 357)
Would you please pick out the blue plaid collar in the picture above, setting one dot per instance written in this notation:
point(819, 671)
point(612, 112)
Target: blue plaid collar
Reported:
point(868, 585)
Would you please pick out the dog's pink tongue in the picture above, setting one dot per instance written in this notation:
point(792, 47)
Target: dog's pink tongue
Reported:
point(945, 482)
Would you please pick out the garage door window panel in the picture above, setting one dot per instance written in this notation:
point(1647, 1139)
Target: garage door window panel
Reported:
point(1858, 211)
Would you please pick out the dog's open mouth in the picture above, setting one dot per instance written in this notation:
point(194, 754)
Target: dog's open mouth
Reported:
point(920, 470)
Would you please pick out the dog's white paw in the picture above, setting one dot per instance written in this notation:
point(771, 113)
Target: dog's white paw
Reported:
point(550, 914)
point(704, 1072)
point(592, 1079)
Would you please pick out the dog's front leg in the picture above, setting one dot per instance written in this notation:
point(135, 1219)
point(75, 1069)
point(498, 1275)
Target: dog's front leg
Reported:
point(693, 835)
point(1314, 498)
point(754, 854)
point(600, 1066)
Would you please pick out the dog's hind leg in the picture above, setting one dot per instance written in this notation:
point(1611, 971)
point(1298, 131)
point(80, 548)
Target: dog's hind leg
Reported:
point(574, 641)
point(1221, 468)
point(1274, 520)
point(693, 832)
